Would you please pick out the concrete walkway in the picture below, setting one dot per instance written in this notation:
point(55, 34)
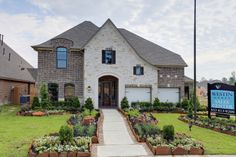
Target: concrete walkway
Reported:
point(117, 140)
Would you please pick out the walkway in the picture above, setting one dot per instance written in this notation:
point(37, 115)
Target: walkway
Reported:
point(116, 137)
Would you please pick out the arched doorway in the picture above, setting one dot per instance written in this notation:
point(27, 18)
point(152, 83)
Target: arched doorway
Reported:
point(108, 91)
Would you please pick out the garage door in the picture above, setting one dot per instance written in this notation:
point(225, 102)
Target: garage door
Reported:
point(138, 94)
point(168, 94)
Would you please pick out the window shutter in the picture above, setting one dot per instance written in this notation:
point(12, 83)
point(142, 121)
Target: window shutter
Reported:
point(134, 70)
point(103, 56)
point(114, 57)
point(142, 70)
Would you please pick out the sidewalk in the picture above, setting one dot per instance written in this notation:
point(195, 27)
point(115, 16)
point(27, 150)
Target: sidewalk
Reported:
point(117, 140)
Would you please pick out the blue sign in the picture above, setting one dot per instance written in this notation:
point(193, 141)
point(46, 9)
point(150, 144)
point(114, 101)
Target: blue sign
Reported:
point(222, 99)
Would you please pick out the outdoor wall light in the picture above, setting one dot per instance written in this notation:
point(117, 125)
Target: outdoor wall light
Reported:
point(89, 88)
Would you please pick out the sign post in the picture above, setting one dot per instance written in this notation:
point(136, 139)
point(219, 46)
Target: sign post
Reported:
point(221, 99)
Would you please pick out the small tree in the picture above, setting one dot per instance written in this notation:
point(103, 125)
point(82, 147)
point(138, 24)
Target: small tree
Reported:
point(124, 103)
point(65, 134)
point(190, 110)
point(89, 104)
point(35, 103)
point(156, 104)
point(168, 132)
point(44, 96)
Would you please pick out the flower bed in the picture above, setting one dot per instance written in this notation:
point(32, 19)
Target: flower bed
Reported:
point(161, 142)
point(180, 145)
point(40, 113)
point(86, 124)
point(52, 146)
point(220, 125)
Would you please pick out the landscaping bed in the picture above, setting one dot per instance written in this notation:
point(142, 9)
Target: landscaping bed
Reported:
point(73, 140)
point(60, 146)
point(41, 113)
point(86, 124)
point(225, 126)
point(161, 142)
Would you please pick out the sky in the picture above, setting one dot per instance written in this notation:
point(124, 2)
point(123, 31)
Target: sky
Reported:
point(168, 23)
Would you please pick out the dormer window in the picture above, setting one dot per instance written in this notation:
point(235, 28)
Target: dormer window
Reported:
point(61, 57)
point(108, 57)
point(138, 70)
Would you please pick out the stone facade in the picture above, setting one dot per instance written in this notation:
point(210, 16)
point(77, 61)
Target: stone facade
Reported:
point(48, 72)
point(126, 58)
point(171, 77)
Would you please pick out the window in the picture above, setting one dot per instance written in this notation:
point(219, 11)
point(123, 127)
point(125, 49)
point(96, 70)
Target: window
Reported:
point(108, 57)
point(9, 57)
point(138, 70)
point(53, 91)
point(61, 57)
point(69, 90)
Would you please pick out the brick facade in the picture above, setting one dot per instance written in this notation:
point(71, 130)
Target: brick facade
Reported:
point(48, 72)
point(171, 77)
point(6, 90)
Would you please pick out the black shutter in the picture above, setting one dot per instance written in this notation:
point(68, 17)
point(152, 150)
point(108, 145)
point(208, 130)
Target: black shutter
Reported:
point(142, 70)
point(103, 56)
point(114, 57)
point(134, 70)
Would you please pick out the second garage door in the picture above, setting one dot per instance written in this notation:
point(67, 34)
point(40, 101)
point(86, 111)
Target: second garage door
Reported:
point(138, 94)
point(168, 94)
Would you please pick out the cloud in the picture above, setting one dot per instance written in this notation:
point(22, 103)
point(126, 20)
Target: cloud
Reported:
point(21, 31)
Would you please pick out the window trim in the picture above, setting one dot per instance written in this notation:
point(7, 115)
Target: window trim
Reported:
point(61, 59)
point(141, 70)
point(113, 59)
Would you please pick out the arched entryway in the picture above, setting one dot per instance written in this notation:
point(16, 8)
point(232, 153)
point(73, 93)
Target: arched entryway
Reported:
point(108, 91)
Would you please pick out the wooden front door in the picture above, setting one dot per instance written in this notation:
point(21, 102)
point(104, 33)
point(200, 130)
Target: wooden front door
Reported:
point(108, 92)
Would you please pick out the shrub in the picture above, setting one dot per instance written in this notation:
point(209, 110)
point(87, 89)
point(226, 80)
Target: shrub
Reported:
point(25, 107)
point(79, 130)
point(72, 103)
point(135, 105)
point(89, 104)
point(156, 104)
point(145, 106)
point(35, 103)
point(134, 113)
point(66, 134)
point(91, 130)
point(124, 103)
point(168, 132)
point(145, 130)
point(185, 104)
point(190, 110)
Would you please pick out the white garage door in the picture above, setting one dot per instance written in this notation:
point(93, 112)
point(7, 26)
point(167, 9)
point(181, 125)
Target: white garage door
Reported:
point(138, 94)
point(168, 94)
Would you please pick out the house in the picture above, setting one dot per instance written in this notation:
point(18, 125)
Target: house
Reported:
point(108, 63)
point(15, 78)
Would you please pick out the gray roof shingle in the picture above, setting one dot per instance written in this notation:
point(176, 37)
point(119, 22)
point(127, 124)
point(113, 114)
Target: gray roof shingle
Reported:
point(149, 51)
point(14, 69)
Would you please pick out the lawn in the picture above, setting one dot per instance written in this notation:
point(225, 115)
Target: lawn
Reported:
point(17, 132)
point(214, 142)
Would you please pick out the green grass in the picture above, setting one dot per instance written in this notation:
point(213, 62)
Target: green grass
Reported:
point(214, 142)
point(17, 132)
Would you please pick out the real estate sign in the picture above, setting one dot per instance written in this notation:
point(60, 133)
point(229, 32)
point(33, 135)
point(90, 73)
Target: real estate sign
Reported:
point(221, 98)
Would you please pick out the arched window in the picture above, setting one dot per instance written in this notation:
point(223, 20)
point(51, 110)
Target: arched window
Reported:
point(61, 57)
point(69, 90)
point(53, 91)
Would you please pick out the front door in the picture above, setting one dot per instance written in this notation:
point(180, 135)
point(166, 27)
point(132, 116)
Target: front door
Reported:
point(108, 92)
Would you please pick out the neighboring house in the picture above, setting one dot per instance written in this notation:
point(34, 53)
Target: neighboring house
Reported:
point(15, 79)
point(108, 63)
